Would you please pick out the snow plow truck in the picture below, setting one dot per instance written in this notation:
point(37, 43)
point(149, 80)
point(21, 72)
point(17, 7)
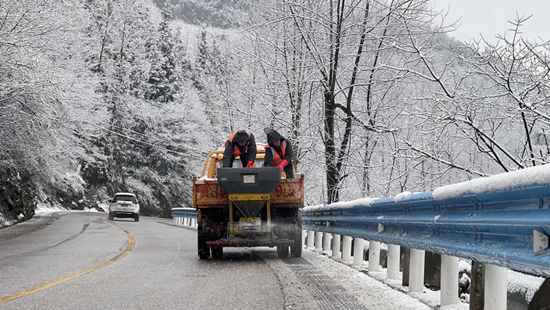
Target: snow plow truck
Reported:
point(247, 207)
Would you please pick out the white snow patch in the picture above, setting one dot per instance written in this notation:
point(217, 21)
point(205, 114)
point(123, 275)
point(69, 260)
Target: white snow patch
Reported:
point(464, 266)
point(525, 178)
point(401, 196)
point(44, 208)
point(522, 283)
point(361, 202)
point(4, 222)
point(312, 208)
point(464, 279)
point(103, 205)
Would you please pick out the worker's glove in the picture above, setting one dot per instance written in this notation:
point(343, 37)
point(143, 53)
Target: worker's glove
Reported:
point(250, 164)
point(282, 164)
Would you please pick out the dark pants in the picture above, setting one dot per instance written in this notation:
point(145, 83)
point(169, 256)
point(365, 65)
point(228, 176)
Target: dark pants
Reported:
point(289, 172)
point(243, 163)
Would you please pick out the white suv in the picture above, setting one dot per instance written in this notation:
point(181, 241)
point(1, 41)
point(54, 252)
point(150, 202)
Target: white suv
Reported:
point(124, 205)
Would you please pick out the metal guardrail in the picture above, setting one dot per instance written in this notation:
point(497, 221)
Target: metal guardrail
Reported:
point(505, 226)
point(184, 212)
point(508, 228)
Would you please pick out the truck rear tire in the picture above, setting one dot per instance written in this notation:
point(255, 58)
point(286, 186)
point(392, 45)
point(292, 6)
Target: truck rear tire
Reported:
point(296, 248)
point(217, 253)
point(203, 249)
point(282, 251)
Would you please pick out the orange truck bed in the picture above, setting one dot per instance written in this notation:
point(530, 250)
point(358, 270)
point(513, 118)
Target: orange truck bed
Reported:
point(207, 192)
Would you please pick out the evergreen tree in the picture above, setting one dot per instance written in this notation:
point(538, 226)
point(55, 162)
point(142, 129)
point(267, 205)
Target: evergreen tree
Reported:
point(164, 79)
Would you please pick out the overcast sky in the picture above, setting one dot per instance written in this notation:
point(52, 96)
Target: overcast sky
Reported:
point(489, 17)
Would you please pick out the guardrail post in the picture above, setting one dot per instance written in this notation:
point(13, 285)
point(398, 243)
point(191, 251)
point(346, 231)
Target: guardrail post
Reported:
point(336, 246)
point(326, 241)
point(496, 291)
point(449, 280)
point(477, 286)
point(318, 240)
point(346, 248)
point(358, 251)
point(432, 270)
point(374, 256)
point(310, 238)
point(406, 265)
point(416, 272)
point(393, 261)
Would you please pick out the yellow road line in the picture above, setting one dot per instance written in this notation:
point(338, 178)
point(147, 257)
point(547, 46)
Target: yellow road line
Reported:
point(129, 248)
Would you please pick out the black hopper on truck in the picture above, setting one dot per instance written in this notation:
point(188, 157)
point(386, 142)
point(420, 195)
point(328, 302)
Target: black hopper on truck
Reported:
point(249, 180)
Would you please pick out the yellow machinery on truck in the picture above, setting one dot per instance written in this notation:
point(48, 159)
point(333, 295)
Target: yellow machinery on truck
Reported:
point(239, 207)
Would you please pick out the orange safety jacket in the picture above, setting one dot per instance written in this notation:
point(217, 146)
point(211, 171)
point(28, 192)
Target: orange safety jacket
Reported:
point(237, 151)
point(276, 158)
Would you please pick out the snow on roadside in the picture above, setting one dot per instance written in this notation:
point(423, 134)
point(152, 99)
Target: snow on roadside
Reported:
point(47, 208)
point(524, 284)
point(362, 284)
point(4, 222)
point(368, 290)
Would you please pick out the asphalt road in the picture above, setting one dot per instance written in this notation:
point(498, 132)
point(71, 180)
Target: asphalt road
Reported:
point(72, 263)
point(80, 260)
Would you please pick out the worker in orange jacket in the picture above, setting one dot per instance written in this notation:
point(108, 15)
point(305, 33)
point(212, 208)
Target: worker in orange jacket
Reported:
point(279, 153)
point(243, 144)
